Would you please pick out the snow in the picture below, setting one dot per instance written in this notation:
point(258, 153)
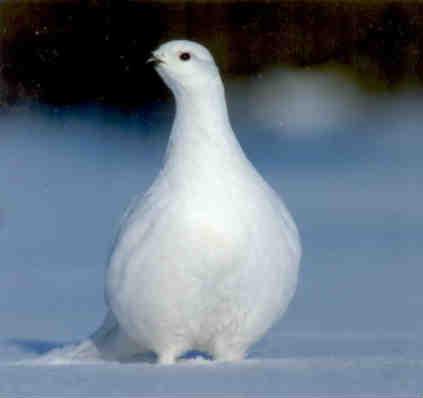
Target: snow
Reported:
point(309, 102)
point(355, 323)
point(252, 377)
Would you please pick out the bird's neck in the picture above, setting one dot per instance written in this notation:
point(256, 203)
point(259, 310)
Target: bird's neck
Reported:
point(202, 109)
point(201, 130)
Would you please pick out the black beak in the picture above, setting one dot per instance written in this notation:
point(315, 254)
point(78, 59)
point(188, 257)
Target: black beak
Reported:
point(154, 60)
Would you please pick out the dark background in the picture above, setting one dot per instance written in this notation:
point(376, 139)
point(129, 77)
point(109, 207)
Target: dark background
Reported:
point(70, 52)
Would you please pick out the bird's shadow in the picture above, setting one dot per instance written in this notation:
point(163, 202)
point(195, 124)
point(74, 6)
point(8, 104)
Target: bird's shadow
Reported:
point(34, 346)
point(41, 347)
point(151, 357)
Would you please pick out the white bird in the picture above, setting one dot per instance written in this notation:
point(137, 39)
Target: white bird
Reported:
point(208, 258)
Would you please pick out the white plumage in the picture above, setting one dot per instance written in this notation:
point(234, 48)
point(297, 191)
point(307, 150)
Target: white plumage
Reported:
point(208, 258)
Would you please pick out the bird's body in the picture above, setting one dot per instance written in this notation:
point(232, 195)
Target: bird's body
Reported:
point(208, 258)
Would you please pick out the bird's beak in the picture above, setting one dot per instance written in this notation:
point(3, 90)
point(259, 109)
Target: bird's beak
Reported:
point(154, 60)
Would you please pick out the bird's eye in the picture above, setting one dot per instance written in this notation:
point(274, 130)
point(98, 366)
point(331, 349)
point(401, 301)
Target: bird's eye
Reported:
point(185, 56)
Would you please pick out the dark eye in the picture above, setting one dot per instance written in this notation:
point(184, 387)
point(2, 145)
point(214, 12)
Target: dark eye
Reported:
point(185, 56)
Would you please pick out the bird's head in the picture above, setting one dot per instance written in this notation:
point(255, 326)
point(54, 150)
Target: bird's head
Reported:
point(185, 66)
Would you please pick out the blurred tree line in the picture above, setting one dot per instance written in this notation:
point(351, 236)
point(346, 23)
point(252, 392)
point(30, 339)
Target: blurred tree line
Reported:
point(65, 52)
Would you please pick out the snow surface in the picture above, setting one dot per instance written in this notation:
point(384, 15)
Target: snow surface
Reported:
point(355, 324)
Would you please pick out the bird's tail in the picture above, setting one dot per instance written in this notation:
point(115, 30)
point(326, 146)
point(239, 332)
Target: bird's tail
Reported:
point(108, 342)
